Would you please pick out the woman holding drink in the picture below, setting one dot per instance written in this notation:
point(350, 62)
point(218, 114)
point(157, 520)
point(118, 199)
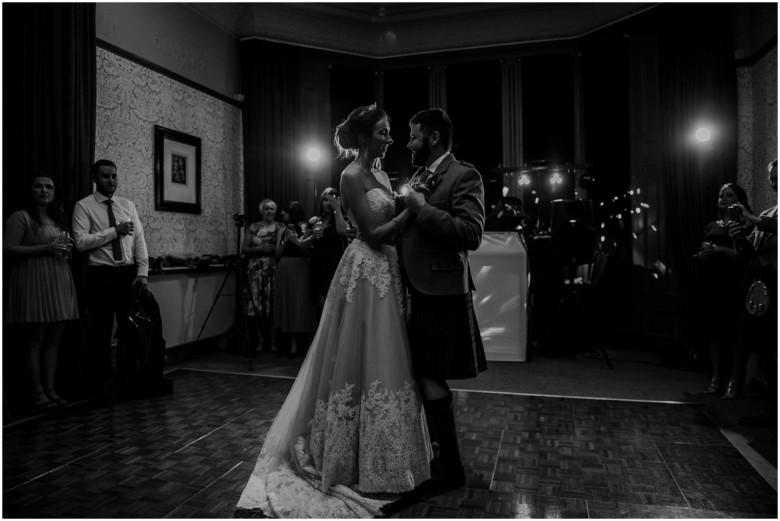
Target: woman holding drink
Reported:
point(41, 293)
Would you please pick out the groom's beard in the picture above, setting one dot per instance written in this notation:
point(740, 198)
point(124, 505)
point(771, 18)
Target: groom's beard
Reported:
point(421, 156)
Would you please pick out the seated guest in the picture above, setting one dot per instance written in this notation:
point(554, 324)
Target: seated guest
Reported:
point(41, 292)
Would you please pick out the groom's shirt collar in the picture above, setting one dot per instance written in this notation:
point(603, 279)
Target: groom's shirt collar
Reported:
point(436, 163)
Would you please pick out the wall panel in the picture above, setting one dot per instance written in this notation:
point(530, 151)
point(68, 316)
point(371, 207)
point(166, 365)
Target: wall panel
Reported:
point(131, 99)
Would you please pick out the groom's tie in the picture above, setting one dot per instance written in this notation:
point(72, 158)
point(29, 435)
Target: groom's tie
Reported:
point(418, 174)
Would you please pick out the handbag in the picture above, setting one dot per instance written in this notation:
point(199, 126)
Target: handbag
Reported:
point(757, 298)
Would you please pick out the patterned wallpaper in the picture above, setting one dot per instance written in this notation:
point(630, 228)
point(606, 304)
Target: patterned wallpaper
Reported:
point(131, 100)
point(757, 113)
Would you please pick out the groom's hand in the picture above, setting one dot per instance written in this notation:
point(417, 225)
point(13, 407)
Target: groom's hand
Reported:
point(414, 201)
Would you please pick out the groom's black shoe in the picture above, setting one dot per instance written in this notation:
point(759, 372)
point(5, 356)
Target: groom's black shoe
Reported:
point(443, 479)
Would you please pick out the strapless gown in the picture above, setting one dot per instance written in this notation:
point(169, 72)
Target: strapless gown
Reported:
point(351, 434)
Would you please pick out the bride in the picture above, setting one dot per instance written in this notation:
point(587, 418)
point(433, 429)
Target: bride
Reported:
point(351, 434)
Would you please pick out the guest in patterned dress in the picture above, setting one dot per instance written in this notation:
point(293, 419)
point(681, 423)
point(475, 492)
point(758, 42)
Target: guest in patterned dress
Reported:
point(41, 292)
point(260, 246)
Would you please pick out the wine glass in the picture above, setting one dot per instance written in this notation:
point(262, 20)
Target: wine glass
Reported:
point(64, 238)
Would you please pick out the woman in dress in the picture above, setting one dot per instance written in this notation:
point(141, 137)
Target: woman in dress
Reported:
point(41, 292)
point(260, 245)
point(329, 230)
point(351, 434)
point(294, 311)
point(719, 296)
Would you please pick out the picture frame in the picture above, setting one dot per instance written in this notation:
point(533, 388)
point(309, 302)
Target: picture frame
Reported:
point(176, 171)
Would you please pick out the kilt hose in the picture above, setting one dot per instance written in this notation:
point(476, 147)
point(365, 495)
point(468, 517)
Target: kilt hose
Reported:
point(444, 337)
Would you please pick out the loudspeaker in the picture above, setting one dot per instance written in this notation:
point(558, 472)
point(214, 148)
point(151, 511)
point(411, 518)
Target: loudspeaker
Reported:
point(573, 231)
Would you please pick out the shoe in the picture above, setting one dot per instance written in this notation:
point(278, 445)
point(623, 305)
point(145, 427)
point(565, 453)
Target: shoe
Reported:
point(54, 397)
point(110, 391)
point(732, 390)
point(714, 387)
point(445, 477)
point(765, 419)
point(42, 403)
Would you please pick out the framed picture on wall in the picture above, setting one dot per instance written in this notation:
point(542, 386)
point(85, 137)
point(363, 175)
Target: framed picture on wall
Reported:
point(176, 171)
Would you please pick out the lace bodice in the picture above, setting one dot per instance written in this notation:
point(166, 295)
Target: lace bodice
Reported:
point(381, 205)
point(378, 265)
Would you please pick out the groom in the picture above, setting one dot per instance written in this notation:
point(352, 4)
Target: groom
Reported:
point(447, 198)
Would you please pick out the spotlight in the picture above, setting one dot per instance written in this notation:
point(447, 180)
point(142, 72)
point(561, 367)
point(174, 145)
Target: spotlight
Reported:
point(703, 135)
point(313, 154)
point(525, 180)
point(556, 179)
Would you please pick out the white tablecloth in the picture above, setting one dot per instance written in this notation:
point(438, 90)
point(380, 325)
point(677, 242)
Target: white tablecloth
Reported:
point(499, 268)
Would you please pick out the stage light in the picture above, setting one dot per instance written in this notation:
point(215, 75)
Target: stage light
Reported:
point(703, 134)
point(313, 154)
point(556, 179)
point(524, 180)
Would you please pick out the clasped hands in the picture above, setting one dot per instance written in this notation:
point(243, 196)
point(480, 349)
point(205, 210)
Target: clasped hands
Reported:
point(413, 196)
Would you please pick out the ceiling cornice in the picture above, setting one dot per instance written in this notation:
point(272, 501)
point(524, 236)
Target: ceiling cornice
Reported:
point(391, 30)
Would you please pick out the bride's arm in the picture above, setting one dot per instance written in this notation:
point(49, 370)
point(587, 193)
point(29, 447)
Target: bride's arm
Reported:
point(355, 197)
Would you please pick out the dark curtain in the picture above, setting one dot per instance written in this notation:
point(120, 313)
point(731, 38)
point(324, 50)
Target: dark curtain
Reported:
point(697, 86)
point(270, 83)
point(698, 83)
point(48, 99)
point(48, 125)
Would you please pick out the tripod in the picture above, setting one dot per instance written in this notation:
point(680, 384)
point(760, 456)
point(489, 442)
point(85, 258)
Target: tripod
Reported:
point(240, 325)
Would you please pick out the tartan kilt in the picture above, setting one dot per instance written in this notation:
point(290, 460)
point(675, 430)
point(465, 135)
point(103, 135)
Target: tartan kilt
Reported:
point(444, 337)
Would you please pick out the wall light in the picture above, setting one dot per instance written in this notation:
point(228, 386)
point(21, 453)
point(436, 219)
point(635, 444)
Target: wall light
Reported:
point(556, 179)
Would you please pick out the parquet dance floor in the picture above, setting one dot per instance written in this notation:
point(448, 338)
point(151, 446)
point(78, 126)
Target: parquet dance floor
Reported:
point(190, 454)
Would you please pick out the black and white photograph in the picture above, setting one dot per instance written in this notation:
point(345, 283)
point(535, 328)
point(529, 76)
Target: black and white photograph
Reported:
point(404, 260)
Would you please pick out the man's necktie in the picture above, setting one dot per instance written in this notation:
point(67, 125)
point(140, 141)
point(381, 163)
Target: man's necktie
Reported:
point(418, 175)
point(116, 244)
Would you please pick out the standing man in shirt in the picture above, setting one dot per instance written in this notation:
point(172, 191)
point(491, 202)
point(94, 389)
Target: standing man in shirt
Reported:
point(106, 227)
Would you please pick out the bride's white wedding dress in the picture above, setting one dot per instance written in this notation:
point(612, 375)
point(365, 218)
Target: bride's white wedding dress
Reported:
point(351, 434)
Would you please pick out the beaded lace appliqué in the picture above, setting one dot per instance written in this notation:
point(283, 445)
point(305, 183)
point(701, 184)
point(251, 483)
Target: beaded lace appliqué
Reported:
point(365, 443)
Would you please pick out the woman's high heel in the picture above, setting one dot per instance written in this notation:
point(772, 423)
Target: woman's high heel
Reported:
point(732, 390)
point(714, 387)
point(54, 397)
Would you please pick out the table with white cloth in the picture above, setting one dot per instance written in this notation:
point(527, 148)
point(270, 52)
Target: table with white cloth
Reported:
point(499, 269)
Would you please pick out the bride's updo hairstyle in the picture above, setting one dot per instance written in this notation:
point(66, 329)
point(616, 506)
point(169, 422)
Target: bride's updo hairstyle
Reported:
point(360, 122)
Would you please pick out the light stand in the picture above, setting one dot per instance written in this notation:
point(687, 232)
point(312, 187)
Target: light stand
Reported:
point(573, 242)
point(243, 333)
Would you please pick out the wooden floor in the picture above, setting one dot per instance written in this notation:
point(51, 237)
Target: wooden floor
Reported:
point(190, 454)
